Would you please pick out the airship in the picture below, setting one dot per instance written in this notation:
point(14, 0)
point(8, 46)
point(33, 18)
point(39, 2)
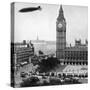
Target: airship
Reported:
point(30, 9)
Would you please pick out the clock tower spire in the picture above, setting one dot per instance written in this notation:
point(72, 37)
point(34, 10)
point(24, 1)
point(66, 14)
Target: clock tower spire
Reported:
point(61, 14)
point(60, 34)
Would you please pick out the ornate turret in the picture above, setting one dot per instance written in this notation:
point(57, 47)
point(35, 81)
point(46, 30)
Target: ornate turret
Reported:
point(86, 42)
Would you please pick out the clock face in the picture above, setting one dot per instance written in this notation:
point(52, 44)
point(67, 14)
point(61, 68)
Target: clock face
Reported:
point(60, 25)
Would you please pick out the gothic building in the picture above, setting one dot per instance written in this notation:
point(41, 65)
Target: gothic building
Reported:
point(77, 54)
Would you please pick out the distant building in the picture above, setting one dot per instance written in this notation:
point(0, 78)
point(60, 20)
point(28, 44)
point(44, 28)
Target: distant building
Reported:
point(77, 54)
point(47, 47)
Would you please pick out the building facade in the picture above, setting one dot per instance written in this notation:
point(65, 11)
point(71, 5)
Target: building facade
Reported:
point(77, 54)
point(22, 53)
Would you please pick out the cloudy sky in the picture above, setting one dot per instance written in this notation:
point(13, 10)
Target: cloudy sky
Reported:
point(43, 23)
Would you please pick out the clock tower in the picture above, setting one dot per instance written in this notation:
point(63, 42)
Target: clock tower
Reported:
point(60, 34)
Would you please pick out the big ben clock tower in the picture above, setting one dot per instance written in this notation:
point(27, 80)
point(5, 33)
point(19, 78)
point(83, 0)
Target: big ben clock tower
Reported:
point(60, 34)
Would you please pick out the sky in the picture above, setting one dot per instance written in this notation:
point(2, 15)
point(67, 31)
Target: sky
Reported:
point(43, 23)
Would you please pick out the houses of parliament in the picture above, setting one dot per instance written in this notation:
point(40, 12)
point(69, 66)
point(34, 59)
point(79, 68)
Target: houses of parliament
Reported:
point(77, 54)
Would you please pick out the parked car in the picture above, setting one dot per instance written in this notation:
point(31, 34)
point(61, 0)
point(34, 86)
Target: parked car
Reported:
point(23, 74)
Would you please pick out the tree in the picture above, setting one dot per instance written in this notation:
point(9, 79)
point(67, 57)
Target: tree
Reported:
point(48, 64)
point(40, 52)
